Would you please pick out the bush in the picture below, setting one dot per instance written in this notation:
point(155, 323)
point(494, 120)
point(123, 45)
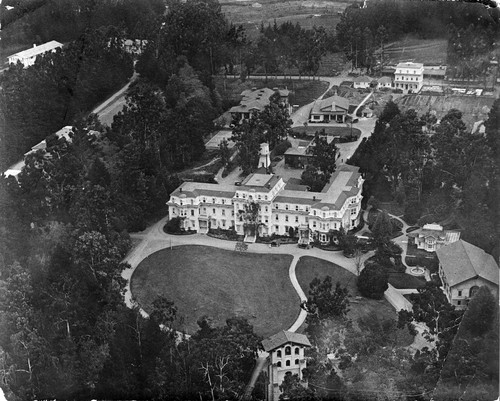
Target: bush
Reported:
point(280, 148)
point(373, 281)
point(173, 226)
point(229, 234)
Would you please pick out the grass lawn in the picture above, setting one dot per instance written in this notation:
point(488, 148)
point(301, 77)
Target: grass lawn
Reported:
point(302, 91)
point(405, 281)
point(332, 131)
point(309, 267)
point(209, 281)
point(427, 51)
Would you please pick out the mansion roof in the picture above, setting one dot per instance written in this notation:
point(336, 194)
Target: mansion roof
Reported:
point(283, 337)
point(462, 261)
point(343, 185)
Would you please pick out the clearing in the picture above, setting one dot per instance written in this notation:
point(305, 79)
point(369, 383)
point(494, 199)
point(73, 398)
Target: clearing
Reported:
point(204, 280)
point(427, 51)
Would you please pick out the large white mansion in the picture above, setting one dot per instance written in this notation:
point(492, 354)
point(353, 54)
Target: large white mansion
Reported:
point(203, 206)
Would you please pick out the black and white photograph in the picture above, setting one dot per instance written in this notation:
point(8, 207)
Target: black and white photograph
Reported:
point(249, 200)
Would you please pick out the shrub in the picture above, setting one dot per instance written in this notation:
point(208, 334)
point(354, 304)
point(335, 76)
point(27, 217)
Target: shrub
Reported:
point(173, 226)
point(280, 148)
point(373, 281)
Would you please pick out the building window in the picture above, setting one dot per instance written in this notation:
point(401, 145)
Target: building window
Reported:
point(296, 362)
point(223, 212)
point(297, 208)
point(297, 351)
point(192, 202)
point(287, 363)
point(314, 212)
point(296, 219)
point(286, 207)
point(192, 212)
point(232, 212)
point(278, 364)
point(213, 210)
point(459, 302)
point(459, 293)
point(266, 209)
point(265, 197)
point(286, 218)
point(204, 200)
point(288, 351)
point(277, 218)
point(277, 228)
point(259, 197)
point(314, 224)
point(223, 223)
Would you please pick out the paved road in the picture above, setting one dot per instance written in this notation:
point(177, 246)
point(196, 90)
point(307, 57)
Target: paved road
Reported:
point(107, 110)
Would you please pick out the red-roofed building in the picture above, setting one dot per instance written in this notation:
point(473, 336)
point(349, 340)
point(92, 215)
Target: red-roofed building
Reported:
point(463, 268)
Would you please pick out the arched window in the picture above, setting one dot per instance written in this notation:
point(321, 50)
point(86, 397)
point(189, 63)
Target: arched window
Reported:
point(297, 350)
point(296, 362)
point(473, 291)
point(288, 351)
point(279, 364)
point(278, 354)
point(287, 363)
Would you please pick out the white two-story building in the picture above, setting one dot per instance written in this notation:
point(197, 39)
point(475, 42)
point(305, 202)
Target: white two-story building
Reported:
point(204, 206)
point(409, 77)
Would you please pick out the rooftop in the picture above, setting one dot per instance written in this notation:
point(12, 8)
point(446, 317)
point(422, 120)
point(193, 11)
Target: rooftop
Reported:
point(462, 261)
point(36, 50)
point(284, 337)
point(330, 104)
point(257, 180)
point(410, 65)
point(362, 78)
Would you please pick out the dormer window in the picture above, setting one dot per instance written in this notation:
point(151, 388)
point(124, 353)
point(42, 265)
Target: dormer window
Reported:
point(213, 200)
point(286, 207)
point(288, 350)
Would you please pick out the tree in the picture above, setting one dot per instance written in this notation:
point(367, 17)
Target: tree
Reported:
point(224, 152)
point(247, 137)
point(326, 302)
point(480, 312)
point(382, 229)
point(373, 281)
point(292, 389)
point(322, 165)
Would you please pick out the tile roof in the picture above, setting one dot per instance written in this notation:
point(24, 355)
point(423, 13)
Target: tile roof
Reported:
point(462, 261)
point(284, 337)
point(35, 51)
point(384, 80)
point(325, 105)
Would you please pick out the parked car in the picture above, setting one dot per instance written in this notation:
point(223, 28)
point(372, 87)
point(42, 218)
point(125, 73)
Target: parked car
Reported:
point(274, 244)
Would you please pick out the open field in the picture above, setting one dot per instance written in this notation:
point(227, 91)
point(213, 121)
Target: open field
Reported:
point(307, 13)
point(302, 91)
point(209, 281)
point(427, 51)
point(473, 108)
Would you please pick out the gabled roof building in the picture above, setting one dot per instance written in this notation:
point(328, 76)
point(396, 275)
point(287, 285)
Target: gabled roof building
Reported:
point(463, 268)
point(333, 108)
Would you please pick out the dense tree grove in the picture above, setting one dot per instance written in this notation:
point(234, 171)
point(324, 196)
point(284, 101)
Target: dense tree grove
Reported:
point(39, 21)
point(435, 170)
point(59, 88)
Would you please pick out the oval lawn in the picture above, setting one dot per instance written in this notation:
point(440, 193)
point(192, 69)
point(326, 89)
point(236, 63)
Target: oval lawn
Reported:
point(203, 280)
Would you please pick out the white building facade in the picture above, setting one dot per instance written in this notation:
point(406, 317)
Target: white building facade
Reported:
point(210, 206)
point(286, 357)
point(409, 77)
point(28, 57)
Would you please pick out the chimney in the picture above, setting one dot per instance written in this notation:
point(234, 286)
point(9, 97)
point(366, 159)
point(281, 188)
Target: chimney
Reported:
point(314, 197)
point(34, 44)
point(180, 189)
